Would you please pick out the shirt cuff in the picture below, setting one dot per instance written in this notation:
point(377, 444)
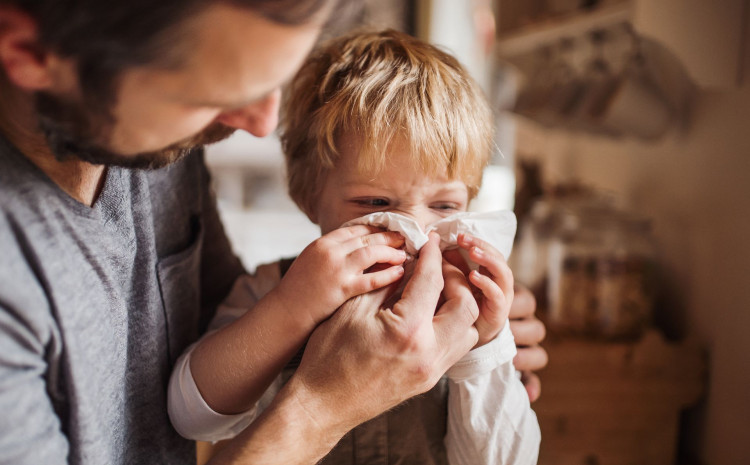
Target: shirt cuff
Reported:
point(495, 353)
point(193, 418)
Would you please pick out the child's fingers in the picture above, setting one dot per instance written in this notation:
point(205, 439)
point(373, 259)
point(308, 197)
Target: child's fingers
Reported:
point(390, 238)
point(493, 262)
point(481, 252)
point(377, 279)
point(364, 235)
point(365, 257)
point(493, 312)
point(496, 303)
point(357, 230)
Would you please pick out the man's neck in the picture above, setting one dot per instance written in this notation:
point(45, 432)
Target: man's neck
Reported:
point(18, 122)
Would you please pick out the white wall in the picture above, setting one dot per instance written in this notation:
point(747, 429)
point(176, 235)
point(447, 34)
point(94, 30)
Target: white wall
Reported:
point(696, 186)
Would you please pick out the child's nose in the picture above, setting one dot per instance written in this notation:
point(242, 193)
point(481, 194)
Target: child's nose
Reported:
point(422, 217)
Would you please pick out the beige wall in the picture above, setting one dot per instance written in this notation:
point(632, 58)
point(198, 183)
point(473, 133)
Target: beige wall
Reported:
point(695, 183)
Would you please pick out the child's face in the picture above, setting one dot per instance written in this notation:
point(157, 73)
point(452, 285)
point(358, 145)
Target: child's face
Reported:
point(399, 187)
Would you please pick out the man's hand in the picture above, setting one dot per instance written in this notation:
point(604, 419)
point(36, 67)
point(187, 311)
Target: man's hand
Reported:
point(528, 332)
point(366, 359)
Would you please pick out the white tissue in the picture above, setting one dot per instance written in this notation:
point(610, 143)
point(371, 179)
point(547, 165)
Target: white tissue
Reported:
point(408, 228)
point(497, 228)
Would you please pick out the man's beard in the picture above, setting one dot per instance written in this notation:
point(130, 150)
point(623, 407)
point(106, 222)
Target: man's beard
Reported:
point(72, 133)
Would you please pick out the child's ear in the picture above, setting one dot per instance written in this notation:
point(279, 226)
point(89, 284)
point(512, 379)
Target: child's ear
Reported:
point(27, 65)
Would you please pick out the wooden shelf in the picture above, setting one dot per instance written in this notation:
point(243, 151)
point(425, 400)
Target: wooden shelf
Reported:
point(529, 38)
point(705, 38)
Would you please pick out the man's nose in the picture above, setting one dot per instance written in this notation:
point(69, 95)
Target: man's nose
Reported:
point(259, 118)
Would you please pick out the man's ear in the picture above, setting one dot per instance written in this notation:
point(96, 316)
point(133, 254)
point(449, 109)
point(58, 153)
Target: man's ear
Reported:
point(25, 62)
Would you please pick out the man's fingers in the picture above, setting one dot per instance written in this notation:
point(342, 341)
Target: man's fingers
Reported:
point(453, 336)
point(524, 303)
point(452, 333)
point(530, 358)
point(421, 293)
point(454, 320)
point(528, 332)
point(532, 384)
point(456, 288)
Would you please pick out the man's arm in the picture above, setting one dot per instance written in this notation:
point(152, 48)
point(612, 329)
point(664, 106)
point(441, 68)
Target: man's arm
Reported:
point(30, 346)
point(30, 430)
point(362, 361)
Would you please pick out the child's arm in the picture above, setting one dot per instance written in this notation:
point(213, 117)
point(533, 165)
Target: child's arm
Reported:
point(490, 420)
point(232, 367)
point(528, 330)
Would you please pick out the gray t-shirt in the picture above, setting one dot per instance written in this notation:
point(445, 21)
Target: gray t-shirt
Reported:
point(96, 304)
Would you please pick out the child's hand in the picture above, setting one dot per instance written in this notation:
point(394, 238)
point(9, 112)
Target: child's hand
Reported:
point(331, 270)
point(493, 281)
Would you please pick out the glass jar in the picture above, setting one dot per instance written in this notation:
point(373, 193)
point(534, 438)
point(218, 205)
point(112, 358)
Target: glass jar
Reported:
point(601, 275)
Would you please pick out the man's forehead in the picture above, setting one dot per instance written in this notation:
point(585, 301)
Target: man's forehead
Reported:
point(237, 57)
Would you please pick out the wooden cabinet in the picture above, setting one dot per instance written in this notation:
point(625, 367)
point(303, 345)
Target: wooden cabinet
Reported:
point(616, 403)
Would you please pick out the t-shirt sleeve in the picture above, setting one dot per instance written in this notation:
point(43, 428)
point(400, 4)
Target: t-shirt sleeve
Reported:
point(30, 430)
point(490, 420)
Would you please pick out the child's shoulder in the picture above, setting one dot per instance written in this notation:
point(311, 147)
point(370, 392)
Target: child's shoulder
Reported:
point(253, 286)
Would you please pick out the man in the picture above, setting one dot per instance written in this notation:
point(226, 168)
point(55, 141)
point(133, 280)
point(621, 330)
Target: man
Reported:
point(109, 271)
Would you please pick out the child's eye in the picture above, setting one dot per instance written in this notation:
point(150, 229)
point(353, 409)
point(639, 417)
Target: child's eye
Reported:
point(446, 206)
point(372, 202)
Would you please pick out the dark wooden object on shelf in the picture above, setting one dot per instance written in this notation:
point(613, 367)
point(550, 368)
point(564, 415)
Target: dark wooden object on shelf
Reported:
point(616, 403)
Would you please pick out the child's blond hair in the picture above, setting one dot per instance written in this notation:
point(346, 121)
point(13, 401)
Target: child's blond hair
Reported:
point(379, 86)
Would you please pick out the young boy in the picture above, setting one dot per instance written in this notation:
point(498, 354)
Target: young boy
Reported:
point(373, 122)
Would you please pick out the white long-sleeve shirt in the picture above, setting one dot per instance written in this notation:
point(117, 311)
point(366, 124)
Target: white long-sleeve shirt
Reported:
point(489, 419)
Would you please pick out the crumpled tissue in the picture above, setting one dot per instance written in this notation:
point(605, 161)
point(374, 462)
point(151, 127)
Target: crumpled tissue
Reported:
point(496, 227)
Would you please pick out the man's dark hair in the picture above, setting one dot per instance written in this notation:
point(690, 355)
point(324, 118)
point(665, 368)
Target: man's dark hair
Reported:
point(106, 37)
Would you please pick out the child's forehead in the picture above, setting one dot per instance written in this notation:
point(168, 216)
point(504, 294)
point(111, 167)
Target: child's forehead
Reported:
point(377, 155)
point(394, 176)
point(396, 158)
point(379, 161)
